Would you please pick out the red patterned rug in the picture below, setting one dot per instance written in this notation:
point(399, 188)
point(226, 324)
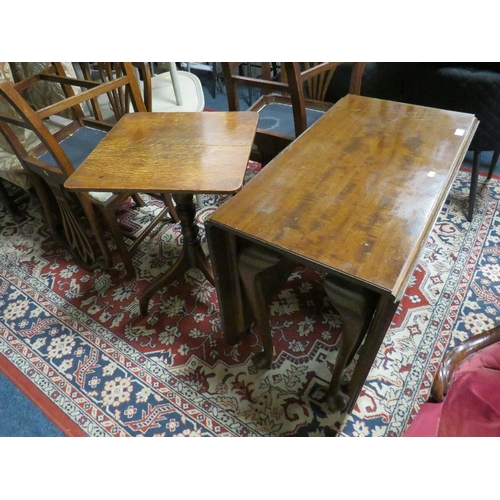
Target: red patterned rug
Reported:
point(71, 339)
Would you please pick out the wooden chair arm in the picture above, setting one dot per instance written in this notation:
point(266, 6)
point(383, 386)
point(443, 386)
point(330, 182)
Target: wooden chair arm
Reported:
point(456, 356)
point(80, 98)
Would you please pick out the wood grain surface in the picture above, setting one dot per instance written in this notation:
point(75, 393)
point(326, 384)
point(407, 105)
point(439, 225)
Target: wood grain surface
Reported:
point(358, 192)
point(204, 152)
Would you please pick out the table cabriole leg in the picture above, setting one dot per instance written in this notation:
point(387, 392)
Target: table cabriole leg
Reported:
point(251, 271)
point(356, 306)
point(262, 272)
point(235, 313)
point(385, 309)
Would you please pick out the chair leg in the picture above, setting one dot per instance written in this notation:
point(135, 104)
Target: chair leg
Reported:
point(175, 82)
point(493, 164)
point(48, 198)
point(250, 89)
point(138, 200)
point(97, 230)
point(123, 250)
point(5, 199)
point(11, 204)
point(473, 184)
point(214, 78)
point(168, 200)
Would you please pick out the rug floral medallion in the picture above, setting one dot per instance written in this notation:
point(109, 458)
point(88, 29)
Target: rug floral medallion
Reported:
point(77, 337)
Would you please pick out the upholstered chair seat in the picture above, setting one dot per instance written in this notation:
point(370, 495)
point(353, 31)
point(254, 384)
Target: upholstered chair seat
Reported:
point(278, 117)
point(10, 167)
point(77, 147)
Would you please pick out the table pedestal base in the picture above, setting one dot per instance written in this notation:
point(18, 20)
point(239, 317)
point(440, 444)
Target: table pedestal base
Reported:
point(191, 255)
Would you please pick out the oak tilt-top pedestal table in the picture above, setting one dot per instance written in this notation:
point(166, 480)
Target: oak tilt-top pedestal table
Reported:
point(179, 153)
point(354, 197)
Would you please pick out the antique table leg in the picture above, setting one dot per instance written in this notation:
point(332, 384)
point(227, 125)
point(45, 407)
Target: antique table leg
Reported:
point(356, 306)
point(262, 273)
point(235, 313)
point(191, 255)
point(385, 309)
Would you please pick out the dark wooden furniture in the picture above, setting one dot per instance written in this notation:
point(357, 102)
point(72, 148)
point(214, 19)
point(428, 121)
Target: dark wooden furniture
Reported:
point(12, 202)
point(120, 98)
point(355, 196)
point(455, 357)
point(292, 100)
point(468, 87)
point(464, 399)
point(70, 217)
point(179, 153)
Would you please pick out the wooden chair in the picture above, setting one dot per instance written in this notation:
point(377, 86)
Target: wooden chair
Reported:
point(464, 399)
point(170, 91)
point(79, 221)
point(458, 355)
point(290, 104)
point(111, 105)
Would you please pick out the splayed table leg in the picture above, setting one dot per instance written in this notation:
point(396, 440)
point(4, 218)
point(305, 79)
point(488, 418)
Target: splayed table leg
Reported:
point(191, 256)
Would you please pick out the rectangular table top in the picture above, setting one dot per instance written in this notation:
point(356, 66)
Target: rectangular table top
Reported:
point(358, 192)
point(204, 152)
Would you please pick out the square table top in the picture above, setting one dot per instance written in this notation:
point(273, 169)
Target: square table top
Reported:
point(358, 192)
point(205, 152)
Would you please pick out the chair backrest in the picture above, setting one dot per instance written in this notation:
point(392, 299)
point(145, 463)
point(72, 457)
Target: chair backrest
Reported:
point(145, 75)
point(24, 116)
point(170, 91)
point(301, 81)
point(62, 143)
point(119, 98)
